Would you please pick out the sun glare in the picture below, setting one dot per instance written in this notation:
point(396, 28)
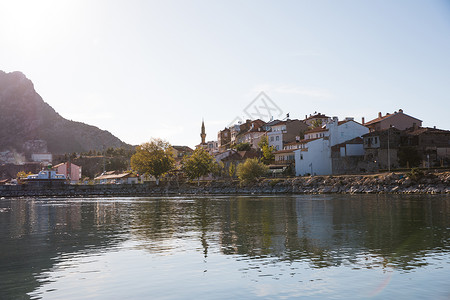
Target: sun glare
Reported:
point(34, 24)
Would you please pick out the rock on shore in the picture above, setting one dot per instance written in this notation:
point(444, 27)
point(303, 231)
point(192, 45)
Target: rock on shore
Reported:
point(393, 183)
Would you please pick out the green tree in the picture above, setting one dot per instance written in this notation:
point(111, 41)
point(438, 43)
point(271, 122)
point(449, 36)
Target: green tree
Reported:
point(199, 164)
point(23, 175)
point(251, 170)
point(263, 142)
point(217, 169)
point(316, 123)
point(153, 158)
point(232, 170)
point(267, 150)
point(243, 147)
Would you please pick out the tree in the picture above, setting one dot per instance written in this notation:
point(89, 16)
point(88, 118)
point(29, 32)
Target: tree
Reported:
point(199, 164)
point(243, 147)
point(217, 169)
point(267, 150)
point(251, 170)
point(23, 175)
point(153, 158)
point(263, 142)
point(232, 170)
point(316, 123)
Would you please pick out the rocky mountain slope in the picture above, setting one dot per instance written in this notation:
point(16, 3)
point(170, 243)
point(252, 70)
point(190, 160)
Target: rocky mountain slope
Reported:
point(25, 119)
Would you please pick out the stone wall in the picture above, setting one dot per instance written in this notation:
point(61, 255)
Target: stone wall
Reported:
point(395, 183)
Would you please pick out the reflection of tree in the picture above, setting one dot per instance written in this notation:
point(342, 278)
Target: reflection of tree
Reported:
point(366, 231)
point(403, 230)
point(362, 231)
point(36, 234)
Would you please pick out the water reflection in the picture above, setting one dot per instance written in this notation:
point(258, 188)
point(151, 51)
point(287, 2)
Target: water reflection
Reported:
point(359, 232)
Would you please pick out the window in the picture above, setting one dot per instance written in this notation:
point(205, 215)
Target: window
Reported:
point(376, 139)
point(277, 138)
point(301, 156)
point(271, 138)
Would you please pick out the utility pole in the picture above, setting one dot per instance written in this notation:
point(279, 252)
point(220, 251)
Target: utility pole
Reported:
point(388, 152)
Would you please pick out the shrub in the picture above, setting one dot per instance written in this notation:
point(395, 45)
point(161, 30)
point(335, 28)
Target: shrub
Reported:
point(251, 170)
point(415, 174)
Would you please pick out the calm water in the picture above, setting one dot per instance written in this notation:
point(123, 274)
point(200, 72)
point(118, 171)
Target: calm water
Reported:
point(283, 247)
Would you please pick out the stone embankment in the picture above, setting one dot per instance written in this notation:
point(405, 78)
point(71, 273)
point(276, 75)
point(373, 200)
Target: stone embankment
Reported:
point(393, 183)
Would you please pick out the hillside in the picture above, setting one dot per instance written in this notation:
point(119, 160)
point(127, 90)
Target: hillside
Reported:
point(26, 120)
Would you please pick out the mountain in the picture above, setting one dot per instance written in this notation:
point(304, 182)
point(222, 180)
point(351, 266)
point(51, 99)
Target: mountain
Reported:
point(27, 122)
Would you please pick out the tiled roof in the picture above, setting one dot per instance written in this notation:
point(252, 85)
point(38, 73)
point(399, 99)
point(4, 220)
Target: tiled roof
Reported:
point(423, 130)
point(382, 131)
point(183, 148)
point(318, 129)
point(317, 116)
point(304, 141)
point(377, 120)
point(355, 141)
point(284, 151)
point(61, 164)
point(388, 115)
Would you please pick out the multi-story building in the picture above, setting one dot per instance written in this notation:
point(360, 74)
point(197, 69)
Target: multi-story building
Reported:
point(284, 132)
point(399, 120)
point(70, 170)
point(318, 157)
point(316, 120)
point(224, 139)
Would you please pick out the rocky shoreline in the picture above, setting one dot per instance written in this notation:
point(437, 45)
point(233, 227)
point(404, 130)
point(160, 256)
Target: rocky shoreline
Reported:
point(388, 183)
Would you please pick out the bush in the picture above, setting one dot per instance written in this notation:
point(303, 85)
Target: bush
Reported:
point(251, 170)
point(415, 174)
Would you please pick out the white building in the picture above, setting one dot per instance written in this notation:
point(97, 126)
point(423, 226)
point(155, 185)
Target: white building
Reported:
point(316, 157)
point(45, 158)
point(275, 136)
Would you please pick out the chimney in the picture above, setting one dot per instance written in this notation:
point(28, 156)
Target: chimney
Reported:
point(379, 115)
point(400, 110)
point(362, 120)
point(306, 116)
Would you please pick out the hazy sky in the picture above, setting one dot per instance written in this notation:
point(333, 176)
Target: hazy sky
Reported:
point(143, 69)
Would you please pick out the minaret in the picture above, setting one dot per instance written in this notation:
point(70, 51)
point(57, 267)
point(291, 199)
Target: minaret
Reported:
point(203, 134)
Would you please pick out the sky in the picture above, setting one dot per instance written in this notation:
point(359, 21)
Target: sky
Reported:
point(156, 69)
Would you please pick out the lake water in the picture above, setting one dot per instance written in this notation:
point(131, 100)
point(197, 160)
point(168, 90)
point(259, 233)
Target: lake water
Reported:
point(280, 247)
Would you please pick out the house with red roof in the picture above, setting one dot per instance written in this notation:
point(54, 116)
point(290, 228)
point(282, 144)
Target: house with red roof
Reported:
point(399, 120)
point(329, 150)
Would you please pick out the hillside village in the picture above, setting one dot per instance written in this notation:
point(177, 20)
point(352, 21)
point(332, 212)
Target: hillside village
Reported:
point(316, 145)
point(323, 145)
